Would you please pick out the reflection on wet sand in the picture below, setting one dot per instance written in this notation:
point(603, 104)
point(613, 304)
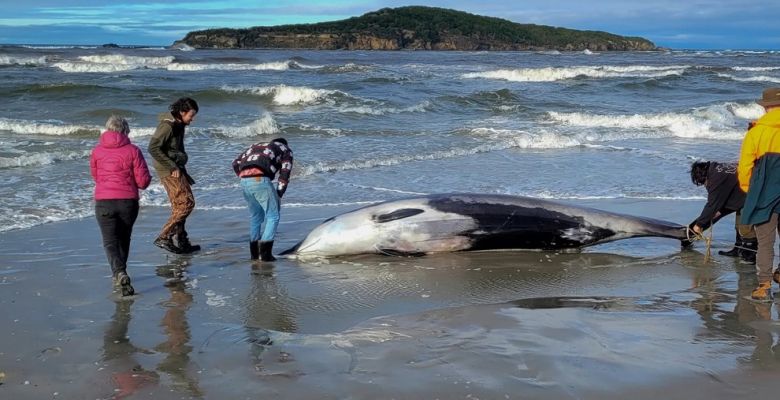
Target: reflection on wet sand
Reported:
point(266, 311)
point(177, 348)
point(118, 348)
point(757, 316)
point(729, 315)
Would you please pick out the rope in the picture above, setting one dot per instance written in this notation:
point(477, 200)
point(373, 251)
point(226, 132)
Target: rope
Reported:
point(708, 240)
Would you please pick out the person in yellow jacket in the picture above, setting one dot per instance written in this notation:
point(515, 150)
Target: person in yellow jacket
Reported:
point(759, 176)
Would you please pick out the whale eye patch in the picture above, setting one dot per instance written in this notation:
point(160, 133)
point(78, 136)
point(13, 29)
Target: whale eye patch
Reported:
point(397, 214)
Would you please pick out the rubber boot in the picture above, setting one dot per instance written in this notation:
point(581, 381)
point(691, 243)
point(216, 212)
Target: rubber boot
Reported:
point(254, 250)
point(736, 251)
point(748, 251)
point(167, 244)
point(265, 251)
point(185, 245)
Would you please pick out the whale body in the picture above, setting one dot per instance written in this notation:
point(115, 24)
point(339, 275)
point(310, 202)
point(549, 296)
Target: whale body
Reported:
point(472, 222)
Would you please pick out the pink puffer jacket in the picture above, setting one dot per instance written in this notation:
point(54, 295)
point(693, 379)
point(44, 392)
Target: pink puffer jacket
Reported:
point(118, 168)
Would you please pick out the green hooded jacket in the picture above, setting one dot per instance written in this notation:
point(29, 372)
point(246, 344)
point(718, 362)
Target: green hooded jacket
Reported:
point(167, 147)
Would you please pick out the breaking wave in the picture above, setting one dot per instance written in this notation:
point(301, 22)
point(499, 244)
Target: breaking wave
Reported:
point(371, 110)
point(42, 158)
point(56, 128)
point(108, 63)
point(286, 95)
point(22, 60)
point(712, 122)
point(759, 78)
point(265, 125)
point(552, 74)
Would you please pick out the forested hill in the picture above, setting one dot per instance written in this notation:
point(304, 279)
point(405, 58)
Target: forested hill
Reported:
point(415, 28)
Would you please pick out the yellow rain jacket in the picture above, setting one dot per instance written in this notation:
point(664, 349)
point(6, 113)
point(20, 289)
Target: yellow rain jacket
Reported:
point(763, 138)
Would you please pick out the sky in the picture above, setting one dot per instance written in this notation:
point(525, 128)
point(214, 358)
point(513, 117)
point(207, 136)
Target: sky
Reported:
point(677, 24)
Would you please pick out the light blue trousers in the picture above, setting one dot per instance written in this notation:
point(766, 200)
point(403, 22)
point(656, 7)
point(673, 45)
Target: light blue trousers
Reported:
point(260, 195)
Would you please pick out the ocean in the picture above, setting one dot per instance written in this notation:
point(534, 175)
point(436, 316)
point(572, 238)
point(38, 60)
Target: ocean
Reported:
point(373, 126)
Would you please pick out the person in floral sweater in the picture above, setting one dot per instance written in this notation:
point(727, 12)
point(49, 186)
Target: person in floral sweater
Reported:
point(257, 167)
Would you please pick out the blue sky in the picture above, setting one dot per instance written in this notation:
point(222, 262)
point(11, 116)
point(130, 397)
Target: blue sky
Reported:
point(681, 24)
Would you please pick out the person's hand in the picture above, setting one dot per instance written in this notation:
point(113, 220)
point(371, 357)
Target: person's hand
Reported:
point(176, 173)
point(697, 229)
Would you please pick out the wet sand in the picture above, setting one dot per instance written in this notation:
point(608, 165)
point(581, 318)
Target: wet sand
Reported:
point(632, 318)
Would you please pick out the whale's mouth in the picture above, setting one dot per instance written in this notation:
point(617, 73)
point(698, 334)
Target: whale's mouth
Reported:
point(297, 248)
point(291, 250)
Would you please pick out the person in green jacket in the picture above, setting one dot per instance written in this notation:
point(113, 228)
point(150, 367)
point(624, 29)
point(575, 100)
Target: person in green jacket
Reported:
point(169, 159)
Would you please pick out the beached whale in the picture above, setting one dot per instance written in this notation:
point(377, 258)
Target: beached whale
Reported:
point(470, 222)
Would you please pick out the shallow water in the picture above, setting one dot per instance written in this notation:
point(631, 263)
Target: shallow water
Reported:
point(632, 318)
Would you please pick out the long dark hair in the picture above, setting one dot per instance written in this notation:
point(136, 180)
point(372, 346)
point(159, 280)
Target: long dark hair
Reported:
point(699, 171)
point(183, 105)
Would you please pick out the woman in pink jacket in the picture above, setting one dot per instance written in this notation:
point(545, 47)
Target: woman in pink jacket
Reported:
point(119, 170)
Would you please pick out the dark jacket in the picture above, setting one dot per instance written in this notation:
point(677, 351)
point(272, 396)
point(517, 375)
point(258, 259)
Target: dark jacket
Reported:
point(167, 147)
point(723, 193)
point(269, 158)
point(763, 196)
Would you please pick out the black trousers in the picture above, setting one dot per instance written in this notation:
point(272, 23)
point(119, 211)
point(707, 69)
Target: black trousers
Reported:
point(116, 219)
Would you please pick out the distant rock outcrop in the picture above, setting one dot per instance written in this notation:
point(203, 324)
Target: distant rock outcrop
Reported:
point(415, 28)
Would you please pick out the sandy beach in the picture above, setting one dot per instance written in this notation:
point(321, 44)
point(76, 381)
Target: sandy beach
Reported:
point(635, 317)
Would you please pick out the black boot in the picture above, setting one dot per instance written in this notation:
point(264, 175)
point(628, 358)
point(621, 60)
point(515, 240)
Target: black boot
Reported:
point(265, 251)
point(185, 245)
point(254, 250)
point(736, 251)
point(748, 251)
point(167, 244)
